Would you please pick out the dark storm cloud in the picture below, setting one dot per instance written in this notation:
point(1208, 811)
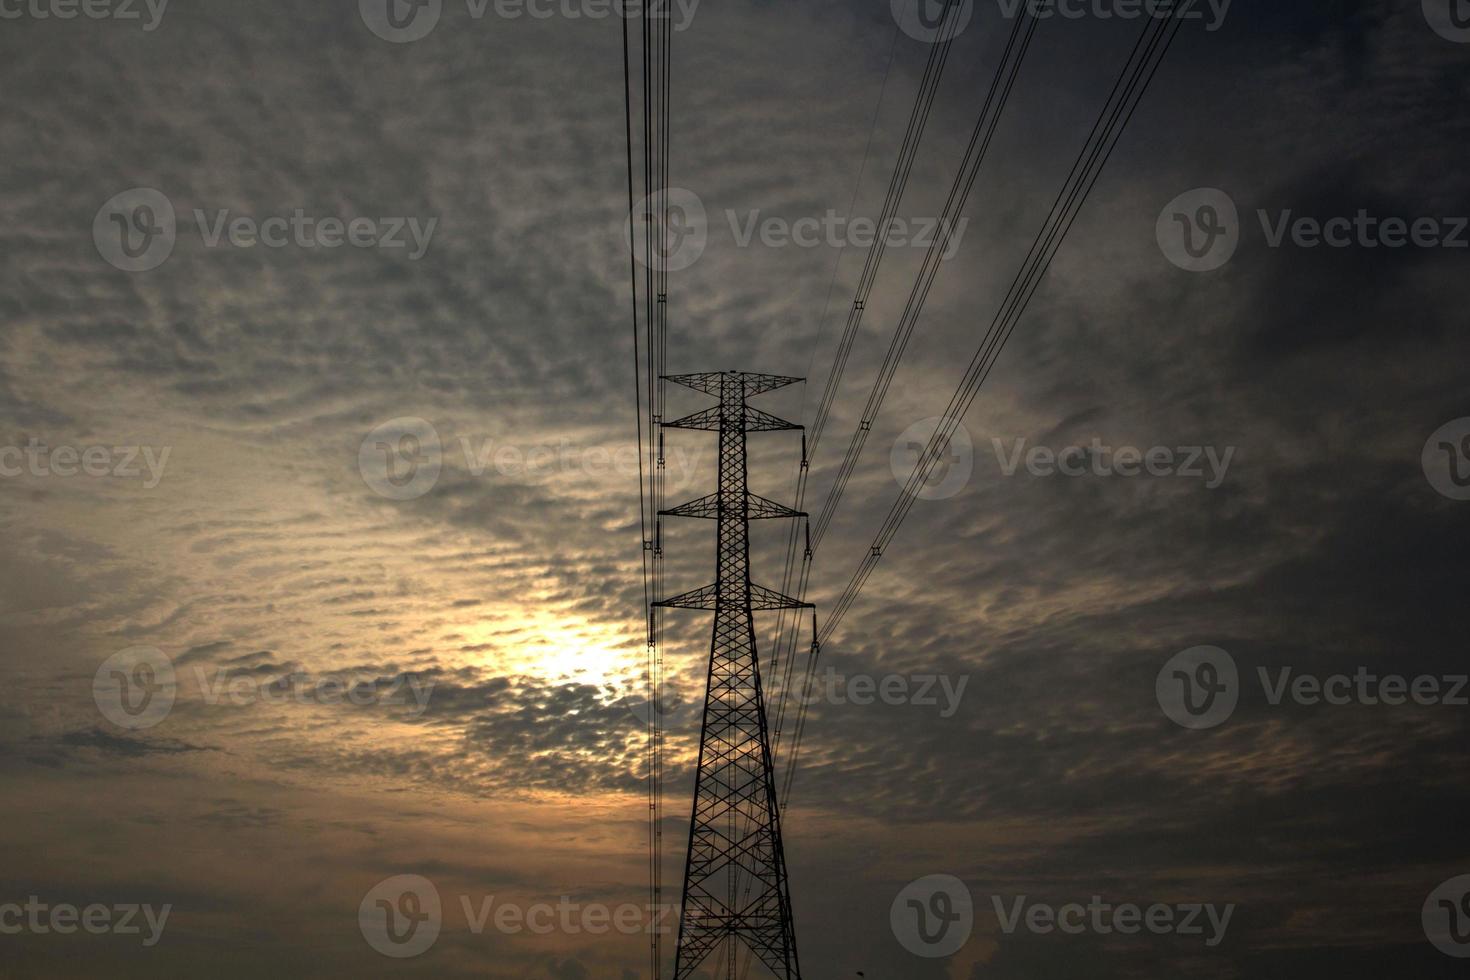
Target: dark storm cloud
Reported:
point(54, 752)
point(231, 814)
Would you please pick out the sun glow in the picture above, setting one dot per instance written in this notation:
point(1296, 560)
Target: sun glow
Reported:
point(555, 648)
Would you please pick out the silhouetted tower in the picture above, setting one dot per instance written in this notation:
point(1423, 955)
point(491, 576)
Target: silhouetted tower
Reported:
point(735, 884)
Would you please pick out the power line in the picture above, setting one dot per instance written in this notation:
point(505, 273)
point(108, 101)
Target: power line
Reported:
point(656, 138)
point(644, 543)
point(1123, 101)
point(981, 136)
point(851, 207)
point(897, 184)
point(1127, 93)
point(986, 123)
point(633, 277)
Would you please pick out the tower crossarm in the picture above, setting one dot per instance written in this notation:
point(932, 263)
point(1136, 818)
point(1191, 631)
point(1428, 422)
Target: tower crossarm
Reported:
point(711, 382)
point(705, 420)
point(762, 598)
point(752, 420)
point(758, 421)
point(756, 508)
point(697, 599)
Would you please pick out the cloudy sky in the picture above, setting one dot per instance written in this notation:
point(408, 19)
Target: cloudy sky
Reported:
point(380, 672)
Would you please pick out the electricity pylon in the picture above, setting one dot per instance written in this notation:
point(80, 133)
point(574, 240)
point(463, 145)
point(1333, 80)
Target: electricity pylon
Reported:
point(735, 884)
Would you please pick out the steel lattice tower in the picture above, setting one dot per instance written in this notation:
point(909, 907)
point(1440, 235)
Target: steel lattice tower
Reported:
point(735, 883)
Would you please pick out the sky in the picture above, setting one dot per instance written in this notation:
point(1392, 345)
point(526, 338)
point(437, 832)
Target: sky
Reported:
point(334, 451)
